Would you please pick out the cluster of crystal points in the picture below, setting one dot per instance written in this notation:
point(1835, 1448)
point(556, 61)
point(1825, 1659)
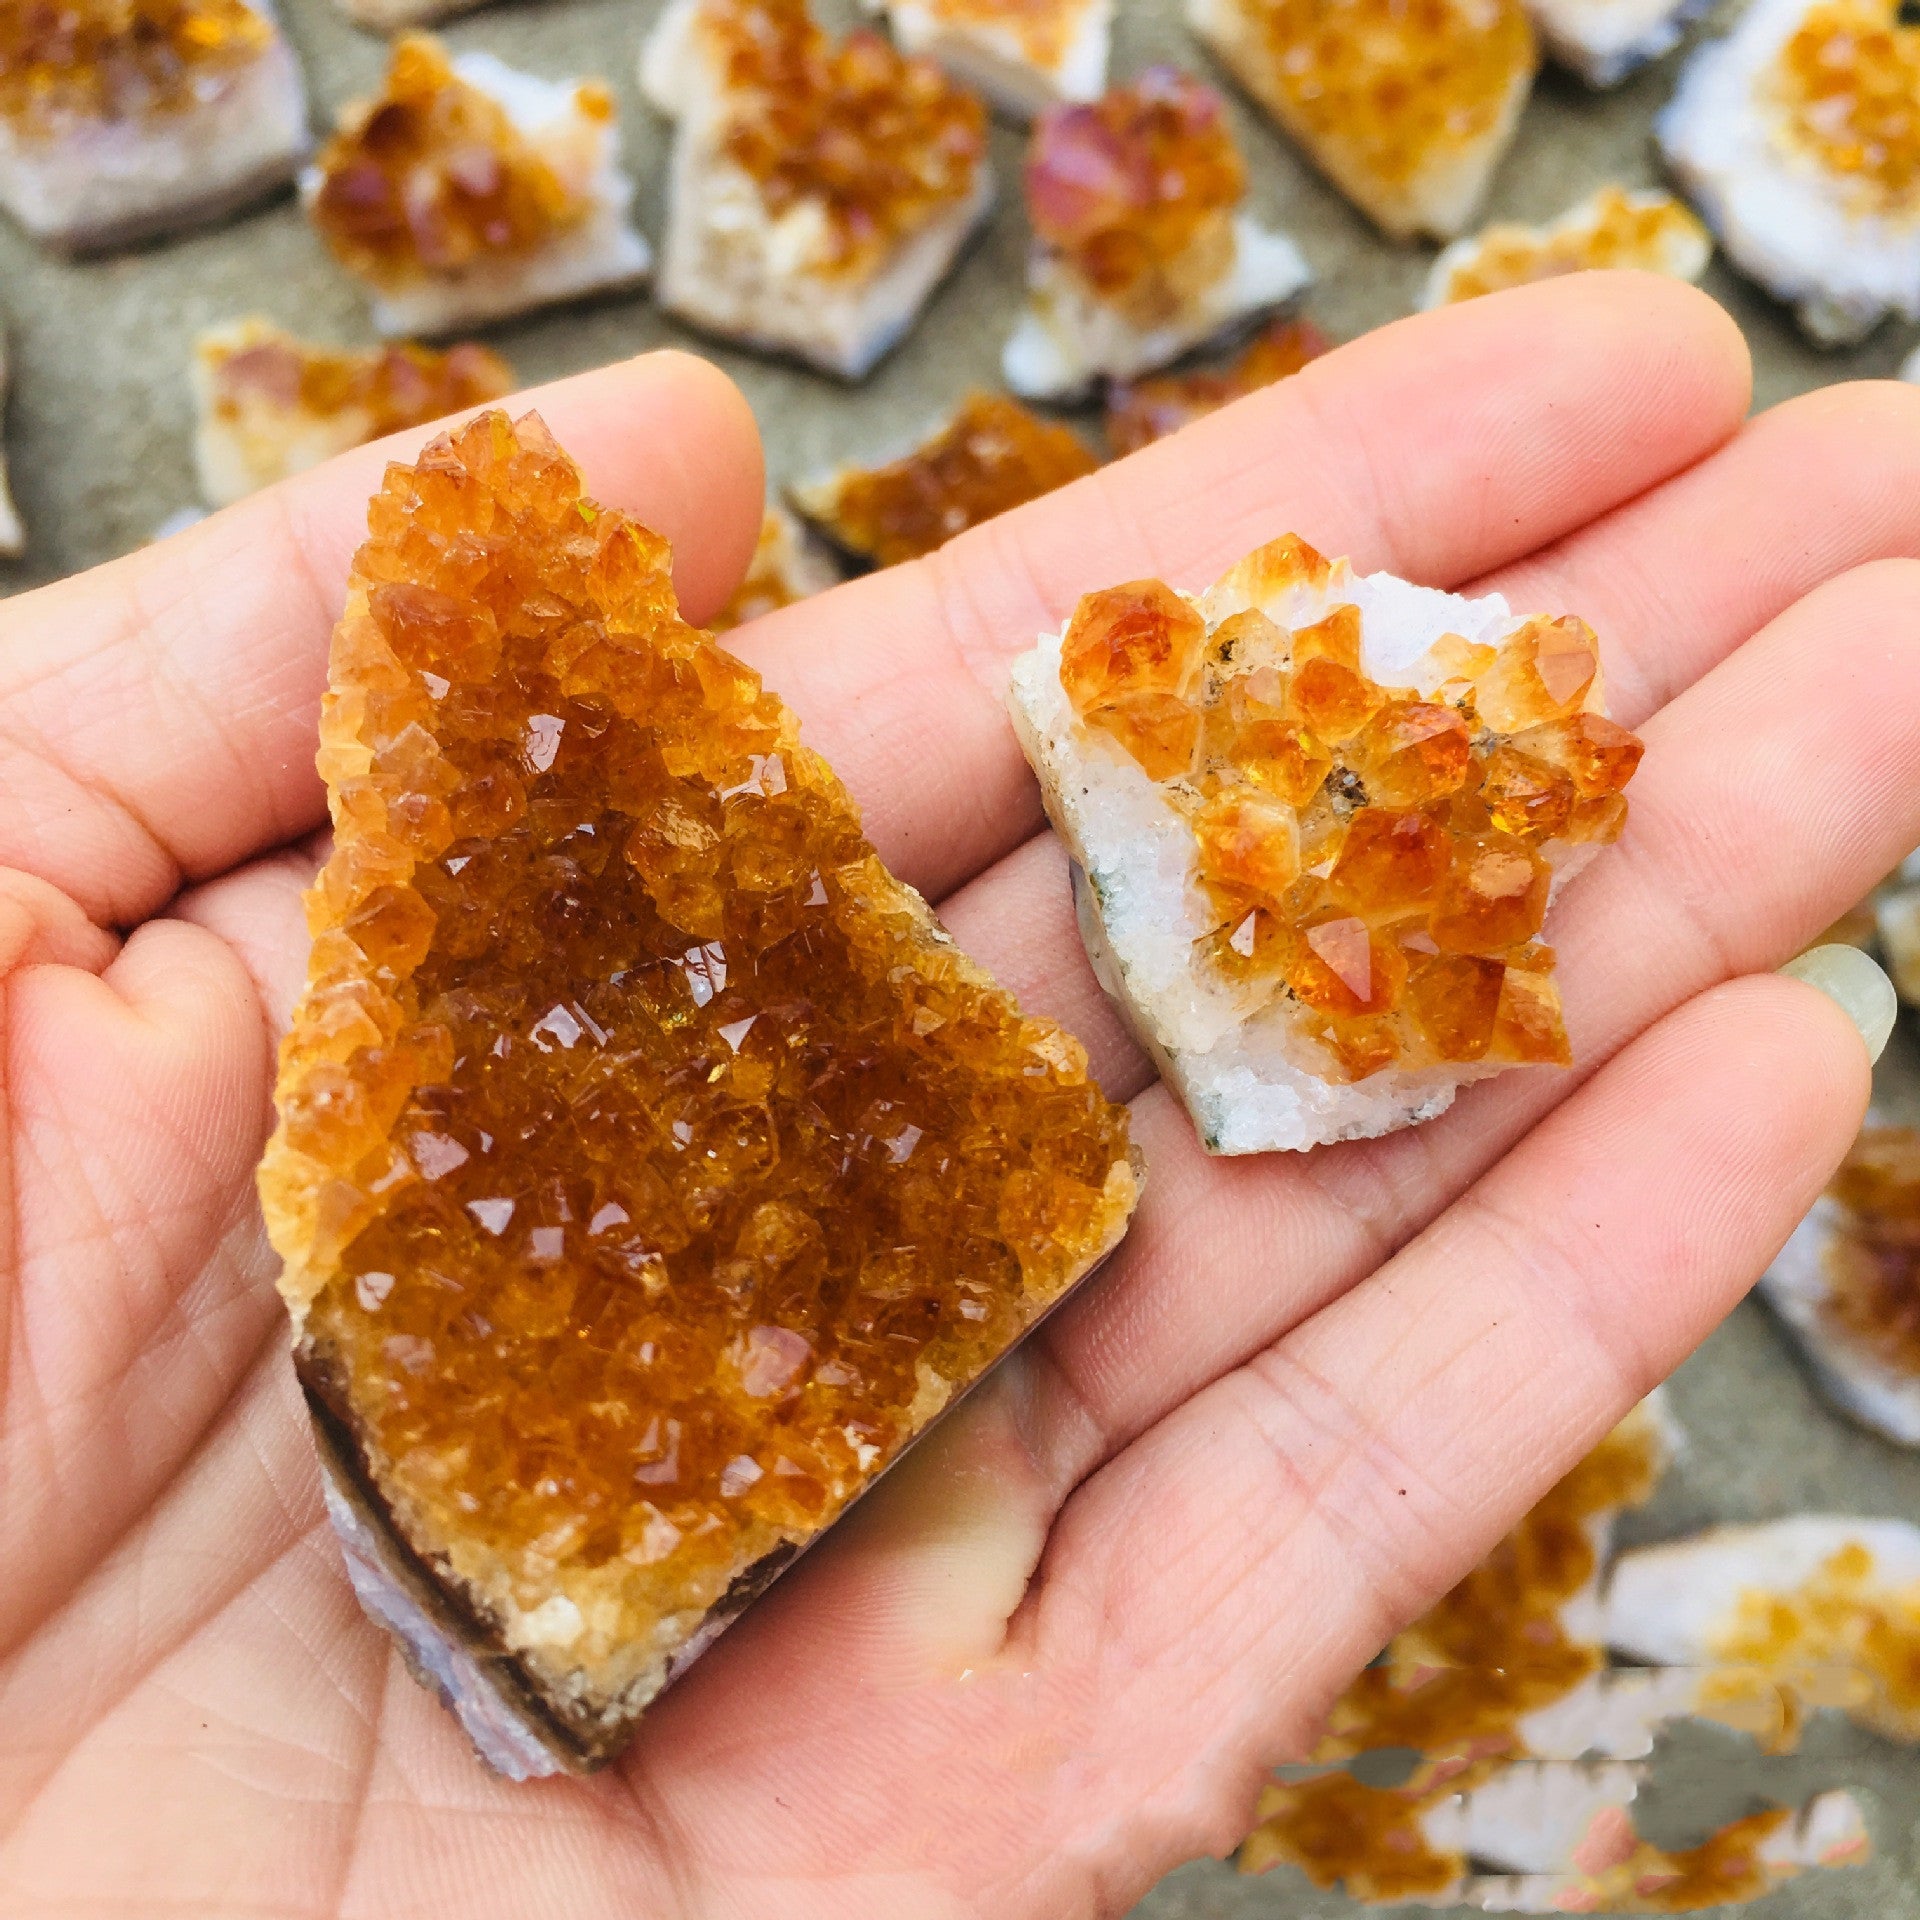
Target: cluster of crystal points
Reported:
point(1136, 184)
point(872, 141)
point(1624, 230)
point(649, 1167)
point(433, 175)
point(383, 388)
point(1453, 1688)
point(1148, 410)
point(1375, 854)
point(1872, 1258)
point(64, 60)
point(1848, 88)
point(1398, 85)
point(991, 456)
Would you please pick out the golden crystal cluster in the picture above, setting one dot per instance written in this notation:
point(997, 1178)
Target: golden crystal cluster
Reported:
point(874, 142)
point(118, 59)
point(1872, 1257)
point(383, 388)
point(433, 176)
point(1143, 411)
point(993, 454)
point(1125, 188)
point(1375, 854)
point(1847, 88)
point(650, 1167)
point(1622, 230)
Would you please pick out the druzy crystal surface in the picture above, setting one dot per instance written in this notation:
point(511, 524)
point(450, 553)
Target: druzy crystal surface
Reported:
point(1137, 184)
point(1652, 232)
point(1148, 410)
point(992, 455)
point(433, 175)
point(1848, 96)
point(650, 1167)
point(871, 143)
point(1376, 855)
point(63, 60)
point(1873, 1255)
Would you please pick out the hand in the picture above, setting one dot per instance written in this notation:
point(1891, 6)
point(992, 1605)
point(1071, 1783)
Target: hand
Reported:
point(1055, 1654)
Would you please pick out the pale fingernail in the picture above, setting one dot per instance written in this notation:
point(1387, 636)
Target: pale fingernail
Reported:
point(1856, 984)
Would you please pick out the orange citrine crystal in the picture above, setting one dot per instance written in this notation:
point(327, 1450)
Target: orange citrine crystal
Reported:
point(1377, 854)
point(433, 176)
point(1124, 187)
point(1148, 410)
point(874, 140)
point(1873, 1258)
point(992, 455)
point(650, 1167)
point(1848, 87)
point(118, 59)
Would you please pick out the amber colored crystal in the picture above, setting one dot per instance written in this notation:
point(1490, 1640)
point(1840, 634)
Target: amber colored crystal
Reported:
point(1873, 1258)
point(1848, 86)
point(1454, 1688)
point(384, 388)
point(650, 1167)
point(1123, 187)
point(992, 455)
point(1398, 87)
point(433, 176)
point(1150, 409)
point(1624, 231)
point(1399, 897)
point(64, 60)
point(875, 142)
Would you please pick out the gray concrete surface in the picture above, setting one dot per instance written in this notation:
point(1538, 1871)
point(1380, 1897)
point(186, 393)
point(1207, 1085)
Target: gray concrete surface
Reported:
point(98, 435)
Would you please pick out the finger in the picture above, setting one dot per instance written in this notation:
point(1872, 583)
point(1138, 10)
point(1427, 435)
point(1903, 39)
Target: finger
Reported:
point(1757, 818)
point(1216, 1584)
point(158, 715)
point(1437, 447)
point(136, 1105)
point(258, 912)
point(1675, 580)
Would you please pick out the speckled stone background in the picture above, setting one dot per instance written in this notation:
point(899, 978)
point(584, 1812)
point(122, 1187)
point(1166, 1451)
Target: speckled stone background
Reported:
point(98, 434)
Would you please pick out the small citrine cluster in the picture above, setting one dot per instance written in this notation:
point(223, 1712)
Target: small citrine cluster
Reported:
point(1454, 1688)
point(1873, 1258)
point(118, 59)
point(1376, 854)
point(385, 388)
point(650, 1168)
point(433, 176)
point(1397, 84)
point(1148, 410)
point(1624, 231)
point(992, 455)
point(870, 142)
point(1127, 186)
point(1848, 85)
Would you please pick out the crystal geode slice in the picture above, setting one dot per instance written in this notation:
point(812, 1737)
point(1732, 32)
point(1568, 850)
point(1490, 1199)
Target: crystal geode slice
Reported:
point(1316, 819)
point(651, 1168)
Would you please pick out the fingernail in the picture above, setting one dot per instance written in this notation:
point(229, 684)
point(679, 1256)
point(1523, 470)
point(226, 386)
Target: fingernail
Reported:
point(1856, 984)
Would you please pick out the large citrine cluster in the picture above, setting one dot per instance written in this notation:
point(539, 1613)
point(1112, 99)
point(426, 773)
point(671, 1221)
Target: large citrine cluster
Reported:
point(1376, 854)
point(1395, 84)
point(1148, 410)
point(1455, 1687)
point(1128, 187)
point(118, 59)
point(1848, 88)
point(650, 1167)
point(992, 455)
point(874, 142)
point(434, 176)
point(1873, 1255)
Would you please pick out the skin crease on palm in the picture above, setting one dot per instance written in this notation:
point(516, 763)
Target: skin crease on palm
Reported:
point(1057, 1652)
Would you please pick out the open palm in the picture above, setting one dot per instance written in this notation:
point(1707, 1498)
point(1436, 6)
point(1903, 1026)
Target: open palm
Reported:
point(1056, 1653)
